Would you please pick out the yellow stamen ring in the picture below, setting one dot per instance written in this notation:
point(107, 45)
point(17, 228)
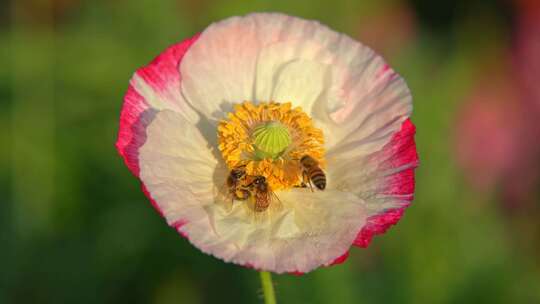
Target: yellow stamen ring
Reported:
point(269, 139)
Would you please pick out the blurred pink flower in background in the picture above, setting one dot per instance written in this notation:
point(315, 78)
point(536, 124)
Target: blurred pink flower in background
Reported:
point(494, 141)
point(498, 133)
point(487, 124)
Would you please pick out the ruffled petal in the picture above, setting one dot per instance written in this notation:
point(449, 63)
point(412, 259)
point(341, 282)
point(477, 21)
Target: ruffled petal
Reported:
point(309, 231)
point(300, 71)
point(259, 57)
point(377, 103)
point(348, 89)
point(152, 88)
point(300, 232)
point(384, 180)
point(177, 167)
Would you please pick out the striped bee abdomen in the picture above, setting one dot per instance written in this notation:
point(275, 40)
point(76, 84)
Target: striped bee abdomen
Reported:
point(317, 176)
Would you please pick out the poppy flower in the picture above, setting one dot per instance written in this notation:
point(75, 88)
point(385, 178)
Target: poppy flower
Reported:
point(217, 129)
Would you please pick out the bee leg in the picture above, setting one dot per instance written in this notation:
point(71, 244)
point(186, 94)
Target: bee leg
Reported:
point(305, 177)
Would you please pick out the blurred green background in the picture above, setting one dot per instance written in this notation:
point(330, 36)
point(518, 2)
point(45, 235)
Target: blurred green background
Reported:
point(76, 228)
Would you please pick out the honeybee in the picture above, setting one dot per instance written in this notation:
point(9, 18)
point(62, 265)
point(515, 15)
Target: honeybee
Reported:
point(234, 183)
point(312, 173)
point(261, 193)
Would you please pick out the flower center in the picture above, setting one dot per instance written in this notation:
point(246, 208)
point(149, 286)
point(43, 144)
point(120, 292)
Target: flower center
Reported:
point(269, 139)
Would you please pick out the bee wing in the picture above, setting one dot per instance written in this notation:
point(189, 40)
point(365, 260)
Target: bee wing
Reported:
point(275, 202)
point(222, 190)
point(224, 197)
point(273, 196)
point(250, 205)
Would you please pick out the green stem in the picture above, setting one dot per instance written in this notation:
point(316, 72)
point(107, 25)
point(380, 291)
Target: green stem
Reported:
point(268, 287)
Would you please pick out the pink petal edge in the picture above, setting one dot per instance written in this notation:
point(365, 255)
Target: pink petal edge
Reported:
point(401, 151)
point(161, 74)
point(341, 259)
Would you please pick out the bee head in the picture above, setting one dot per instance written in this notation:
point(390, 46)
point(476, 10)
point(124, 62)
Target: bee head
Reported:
point(237, 174)
point(307, 160)
point(259, 180)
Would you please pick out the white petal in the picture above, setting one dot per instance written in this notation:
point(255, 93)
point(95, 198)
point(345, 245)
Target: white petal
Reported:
point(377, 104)
point(239, 58)
point(383, 179)
point(176, 159)
point(263, 57)
point(219, 70)
point(365, 180)
point(310, 230)
point(296, 71)
point(181, 174)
